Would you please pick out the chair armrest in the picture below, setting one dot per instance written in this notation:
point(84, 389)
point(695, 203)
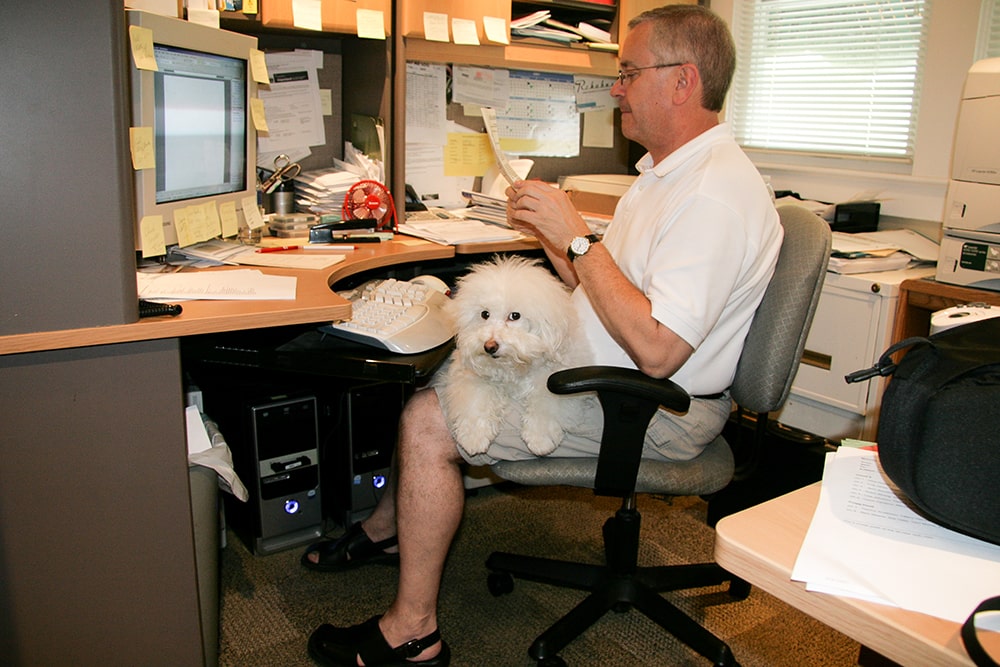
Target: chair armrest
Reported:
point(626, 381)
point(629, 399)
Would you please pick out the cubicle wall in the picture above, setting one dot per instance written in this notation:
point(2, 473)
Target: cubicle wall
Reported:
point(67, 258)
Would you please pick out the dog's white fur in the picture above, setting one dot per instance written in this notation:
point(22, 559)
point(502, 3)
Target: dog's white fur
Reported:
point(515, 326)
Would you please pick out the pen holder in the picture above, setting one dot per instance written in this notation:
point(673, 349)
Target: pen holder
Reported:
point(283, 198)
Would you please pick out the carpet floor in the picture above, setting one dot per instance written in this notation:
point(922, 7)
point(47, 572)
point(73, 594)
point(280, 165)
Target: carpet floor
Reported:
point(271, 604)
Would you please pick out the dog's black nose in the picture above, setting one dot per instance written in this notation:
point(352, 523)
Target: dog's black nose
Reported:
point(491, 347)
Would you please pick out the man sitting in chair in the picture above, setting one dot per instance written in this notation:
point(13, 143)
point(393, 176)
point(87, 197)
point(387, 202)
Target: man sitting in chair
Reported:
point(670, 290)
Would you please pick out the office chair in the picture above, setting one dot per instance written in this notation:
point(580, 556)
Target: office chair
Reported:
point(629, 399)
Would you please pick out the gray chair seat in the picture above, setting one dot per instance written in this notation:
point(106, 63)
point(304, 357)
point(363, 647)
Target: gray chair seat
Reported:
point(706, 473)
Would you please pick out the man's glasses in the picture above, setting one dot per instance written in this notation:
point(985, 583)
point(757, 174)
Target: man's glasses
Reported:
point(626, 76)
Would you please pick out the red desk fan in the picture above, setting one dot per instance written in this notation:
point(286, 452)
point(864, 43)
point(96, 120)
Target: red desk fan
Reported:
point(370, 200)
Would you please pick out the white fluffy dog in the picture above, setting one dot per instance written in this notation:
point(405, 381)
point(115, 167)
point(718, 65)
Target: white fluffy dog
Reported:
point(515, 326)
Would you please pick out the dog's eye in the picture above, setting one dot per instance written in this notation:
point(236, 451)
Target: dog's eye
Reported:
point(514, 316)
point(485, 314)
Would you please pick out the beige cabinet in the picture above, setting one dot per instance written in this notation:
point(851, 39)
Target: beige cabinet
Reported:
point(852, 327)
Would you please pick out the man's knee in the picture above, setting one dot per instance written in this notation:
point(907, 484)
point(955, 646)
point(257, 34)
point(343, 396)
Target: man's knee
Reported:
point(423, 426)
point(422, 408)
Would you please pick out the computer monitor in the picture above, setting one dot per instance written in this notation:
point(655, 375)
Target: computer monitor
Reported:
point(198, 106)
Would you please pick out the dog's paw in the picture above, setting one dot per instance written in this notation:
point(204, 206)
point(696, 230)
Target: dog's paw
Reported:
point(473, 440)
point(540, 446)
point(474, 448)
point(541, 436)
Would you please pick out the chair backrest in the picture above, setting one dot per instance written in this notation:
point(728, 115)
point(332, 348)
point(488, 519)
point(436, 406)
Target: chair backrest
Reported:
point(778, 332)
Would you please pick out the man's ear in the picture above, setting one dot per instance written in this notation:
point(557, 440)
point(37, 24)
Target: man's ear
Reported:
point(688, 79)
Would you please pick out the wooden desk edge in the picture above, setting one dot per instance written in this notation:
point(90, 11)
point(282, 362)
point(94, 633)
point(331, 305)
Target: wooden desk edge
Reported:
point(314, 302)
point(902, 636)
point(920, 297)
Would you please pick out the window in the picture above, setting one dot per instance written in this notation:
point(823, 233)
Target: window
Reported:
point(989, 38)
point(829, 77)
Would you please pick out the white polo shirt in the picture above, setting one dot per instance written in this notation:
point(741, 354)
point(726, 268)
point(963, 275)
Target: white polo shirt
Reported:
point(699, 235)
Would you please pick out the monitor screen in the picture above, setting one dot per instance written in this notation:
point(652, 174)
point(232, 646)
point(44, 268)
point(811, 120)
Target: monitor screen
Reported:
point(200, 125)
point(196, 105)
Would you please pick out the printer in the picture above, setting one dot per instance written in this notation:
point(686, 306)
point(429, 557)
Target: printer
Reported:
point(970, 243)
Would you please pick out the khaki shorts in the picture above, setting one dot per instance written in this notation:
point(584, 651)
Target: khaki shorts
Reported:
point(670, 437)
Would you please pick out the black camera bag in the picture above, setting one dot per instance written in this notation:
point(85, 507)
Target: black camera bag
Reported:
point(939, 426)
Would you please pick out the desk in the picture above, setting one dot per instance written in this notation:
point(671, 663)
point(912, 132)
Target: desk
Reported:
point(97, 554)
point(919, 298)
point(761, 544)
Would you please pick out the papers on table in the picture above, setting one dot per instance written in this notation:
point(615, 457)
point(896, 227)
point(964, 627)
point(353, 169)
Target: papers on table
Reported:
point(866, 542)
point(239, 284)
point(887, 250)
point(850, 265)
point(917, 246)
point(219, 251)
point(285, 260)
point(455, 232)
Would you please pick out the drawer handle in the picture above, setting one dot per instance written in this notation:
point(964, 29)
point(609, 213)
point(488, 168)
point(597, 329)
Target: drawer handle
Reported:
point(816, 359)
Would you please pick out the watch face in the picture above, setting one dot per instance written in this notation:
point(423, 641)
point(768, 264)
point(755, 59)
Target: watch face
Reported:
point(580, 245)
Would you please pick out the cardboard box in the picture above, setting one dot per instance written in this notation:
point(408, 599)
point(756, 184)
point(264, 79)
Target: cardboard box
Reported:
point(593, 202)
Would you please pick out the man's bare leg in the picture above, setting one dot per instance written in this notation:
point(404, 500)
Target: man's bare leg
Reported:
point(429, 502)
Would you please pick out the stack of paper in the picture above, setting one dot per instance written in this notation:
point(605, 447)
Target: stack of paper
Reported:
point(880, 251)
point(531, 19)
point(585, 30)
point(455, 232)
point(486, 208)
point(865, 541)
point(322, 191)
point(531, 26)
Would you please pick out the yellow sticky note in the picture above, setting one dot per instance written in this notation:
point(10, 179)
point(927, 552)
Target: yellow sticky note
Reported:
point(197, 225)
point(142, 48)
point(436, 27)
point(211, 224)
point(371, 23)
point(465, 31)
point(599, 128)
point(467, 154)
point(151, 236)
point(258, 115)
point(496, 29)
point(307, 14)
point(184, 227)
point(142, 147)
point(249, 6)
point(258, 66)
point(227, 218)
point(251, 213)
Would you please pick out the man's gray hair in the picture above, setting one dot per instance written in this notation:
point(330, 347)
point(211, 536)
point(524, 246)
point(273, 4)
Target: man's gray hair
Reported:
point(694, 34)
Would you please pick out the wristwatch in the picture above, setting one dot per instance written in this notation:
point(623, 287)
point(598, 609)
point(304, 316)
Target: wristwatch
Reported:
point(581, 246)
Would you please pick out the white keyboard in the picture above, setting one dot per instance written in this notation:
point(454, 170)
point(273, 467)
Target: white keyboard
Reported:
point(396, 315)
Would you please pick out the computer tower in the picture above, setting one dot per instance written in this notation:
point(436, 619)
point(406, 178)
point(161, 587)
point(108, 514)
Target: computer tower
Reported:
point(275, 447)
point(359, 450)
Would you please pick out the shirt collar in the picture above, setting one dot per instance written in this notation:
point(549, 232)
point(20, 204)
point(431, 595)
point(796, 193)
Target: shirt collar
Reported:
point(717, 134)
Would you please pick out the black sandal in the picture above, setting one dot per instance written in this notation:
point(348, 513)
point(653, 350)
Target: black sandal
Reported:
point(352, 549)
point(340, 647)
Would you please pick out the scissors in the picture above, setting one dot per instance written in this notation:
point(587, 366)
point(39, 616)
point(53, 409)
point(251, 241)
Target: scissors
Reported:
point(284, 170)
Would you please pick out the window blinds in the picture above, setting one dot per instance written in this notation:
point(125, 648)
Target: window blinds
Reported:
point(829, 76)
point(991, 26)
